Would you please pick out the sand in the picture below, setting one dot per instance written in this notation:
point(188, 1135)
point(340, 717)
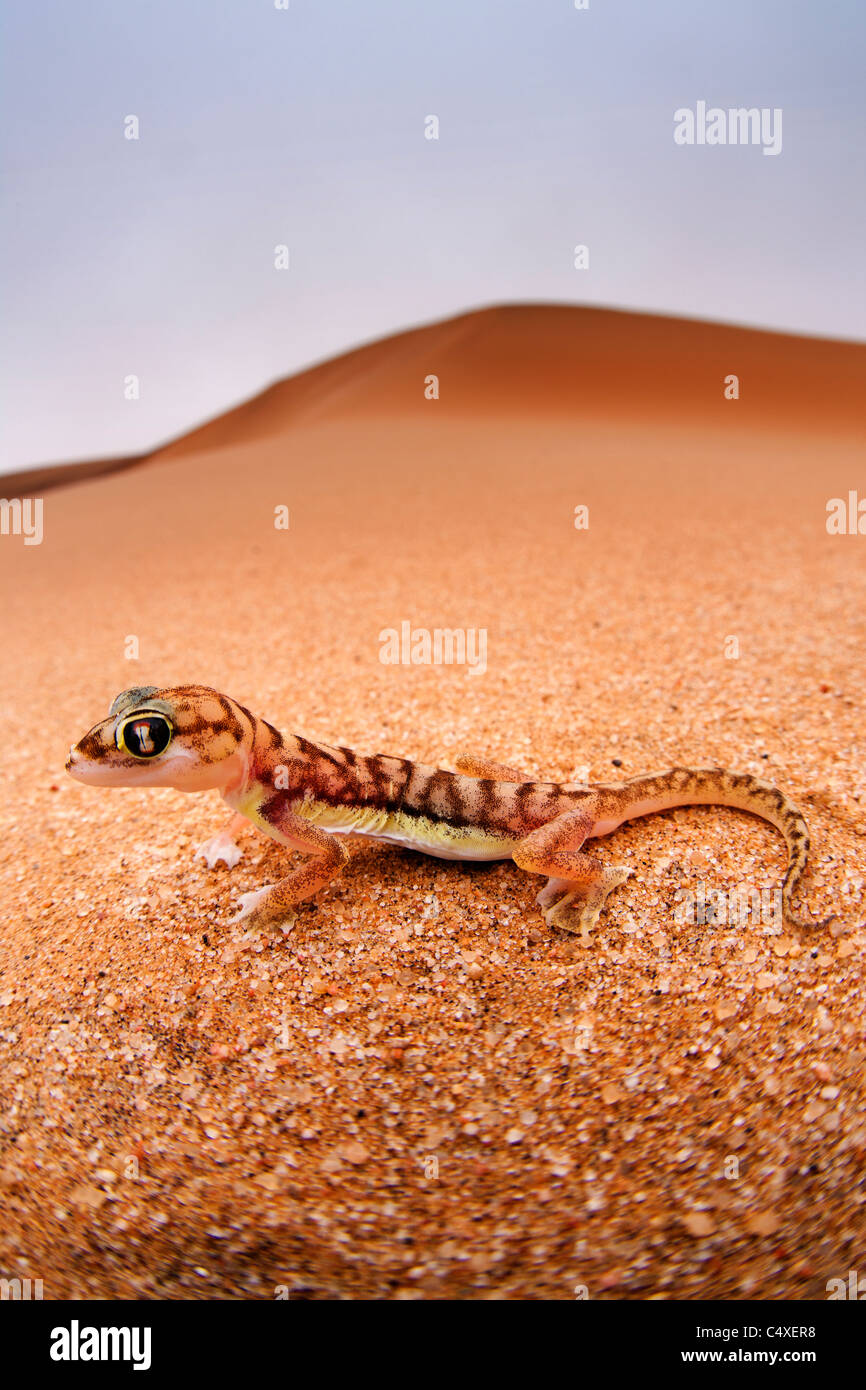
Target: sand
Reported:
point(422, 1091)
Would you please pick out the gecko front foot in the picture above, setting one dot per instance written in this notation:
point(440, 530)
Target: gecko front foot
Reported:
point(256, 912)
point(222, 845)
point(219, 847)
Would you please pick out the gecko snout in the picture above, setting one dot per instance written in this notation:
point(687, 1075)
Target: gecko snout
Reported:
point(76, 760)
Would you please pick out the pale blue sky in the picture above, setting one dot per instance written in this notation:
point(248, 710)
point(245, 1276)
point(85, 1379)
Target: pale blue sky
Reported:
point(306, 126)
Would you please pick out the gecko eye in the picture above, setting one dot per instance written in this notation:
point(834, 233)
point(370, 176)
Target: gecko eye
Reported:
point(144, 736)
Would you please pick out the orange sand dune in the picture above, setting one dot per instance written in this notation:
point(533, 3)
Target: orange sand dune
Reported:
point(422, 1091)
point(519, 359)
point(563, 360)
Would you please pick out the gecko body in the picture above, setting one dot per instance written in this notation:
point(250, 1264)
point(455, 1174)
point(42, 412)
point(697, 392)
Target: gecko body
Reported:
point(310, 796)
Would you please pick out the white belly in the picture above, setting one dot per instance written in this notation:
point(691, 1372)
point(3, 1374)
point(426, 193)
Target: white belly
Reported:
point(411, 832)
point(443, 848)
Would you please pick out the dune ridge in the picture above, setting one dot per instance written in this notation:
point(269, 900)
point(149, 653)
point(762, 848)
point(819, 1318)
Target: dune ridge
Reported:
point(517, 359)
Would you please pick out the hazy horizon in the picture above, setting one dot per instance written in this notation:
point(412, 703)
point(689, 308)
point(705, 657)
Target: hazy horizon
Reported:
point(306, 128)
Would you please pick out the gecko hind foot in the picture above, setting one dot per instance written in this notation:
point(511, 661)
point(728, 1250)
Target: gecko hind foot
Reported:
point(576, 907)
point(553, 891)
point(472, 766)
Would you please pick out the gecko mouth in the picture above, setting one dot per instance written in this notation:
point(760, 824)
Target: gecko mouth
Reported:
point(115, 769)
point(83, 769)
point(78, 764)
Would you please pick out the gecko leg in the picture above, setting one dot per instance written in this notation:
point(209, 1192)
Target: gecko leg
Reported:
point(471, 766)
point(274, 904)
point(578, 884)
point(222, 845)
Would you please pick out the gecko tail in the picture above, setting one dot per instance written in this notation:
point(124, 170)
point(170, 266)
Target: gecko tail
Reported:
point(685, 786)
point(796, 834)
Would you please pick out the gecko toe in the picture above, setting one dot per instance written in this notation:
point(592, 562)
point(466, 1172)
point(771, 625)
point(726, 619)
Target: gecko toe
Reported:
point(255, 911)
point(249, 902)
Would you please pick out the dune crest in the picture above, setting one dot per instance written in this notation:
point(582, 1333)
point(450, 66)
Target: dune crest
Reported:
point(519, 360)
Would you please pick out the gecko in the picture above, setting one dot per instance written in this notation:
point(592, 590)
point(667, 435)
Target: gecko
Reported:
point(310, 796)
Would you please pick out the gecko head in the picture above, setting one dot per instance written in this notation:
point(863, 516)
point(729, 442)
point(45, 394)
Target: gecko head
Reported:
point(188, 737)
